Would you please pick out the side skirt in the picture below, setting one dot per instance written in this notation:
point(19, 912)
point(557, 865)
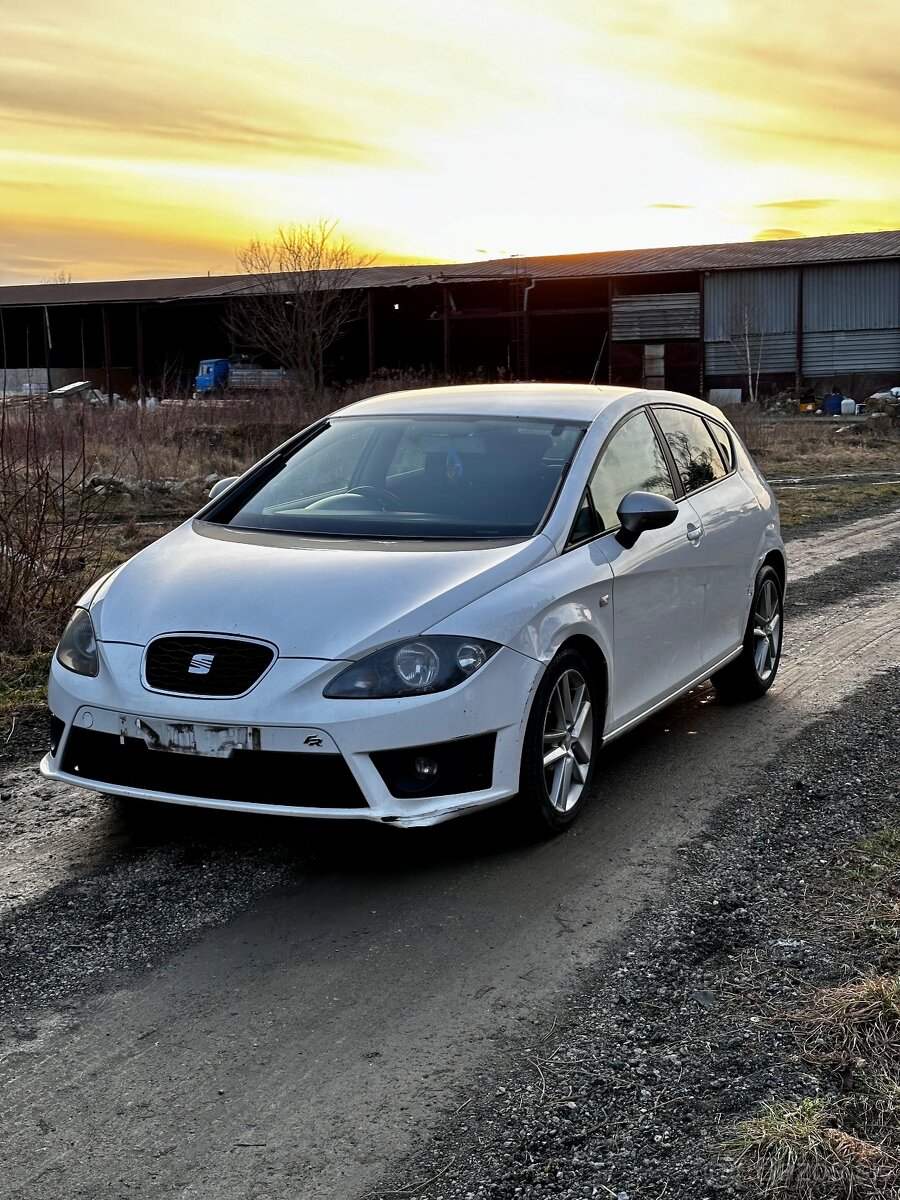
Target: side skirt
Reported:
point(705, 674)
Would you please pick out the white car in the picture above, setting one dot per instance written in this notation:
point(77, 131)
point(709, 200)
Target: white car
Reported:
point(428, 603)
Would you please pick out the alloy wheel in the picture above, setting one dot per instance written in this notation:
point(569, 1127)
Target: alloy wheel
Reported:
point(568, 740)
point(767, 630)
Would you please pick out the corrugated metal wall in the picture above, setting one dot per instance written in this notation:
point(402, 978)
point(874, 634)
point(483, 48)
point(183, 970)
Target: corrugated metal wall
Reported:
point(766, 299)
point(851, 318)
point(656, 317)
point(755, 308)
point(851, 296)
point(771, 351)
point(851, 350)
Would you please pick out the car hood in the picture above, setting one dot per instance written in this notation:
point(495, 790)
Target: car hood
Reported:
point(311, 598)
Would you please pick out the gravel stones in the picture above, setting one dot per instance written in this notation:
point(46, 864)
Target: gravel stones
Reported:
point(665, 1042)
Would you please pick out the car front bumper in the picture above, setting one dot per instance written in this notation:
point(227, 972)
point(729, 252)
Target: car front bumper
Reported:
point(285, 749)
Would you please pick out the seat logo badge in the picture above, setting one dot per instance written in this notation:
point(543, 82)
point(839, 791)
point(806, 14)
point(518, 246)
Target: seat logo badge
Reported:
point(201, 664)
point(312, 740)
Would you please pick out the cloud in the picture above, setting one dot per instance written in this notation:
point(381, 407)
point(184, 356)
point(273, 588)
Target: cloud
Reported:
point(798, 205)
point(169, 124)
point(675, 206)
point(813, 83)
point(776, 235)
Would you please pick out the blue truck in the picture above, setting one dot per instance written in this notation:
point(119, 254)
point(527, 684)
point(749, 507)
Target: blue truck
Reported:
point(216, 375)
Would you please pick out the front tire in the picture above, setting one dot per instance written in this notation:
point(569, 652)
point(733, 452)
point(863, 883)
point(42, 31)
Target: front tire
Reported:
point(752, 673)
point(562, 739)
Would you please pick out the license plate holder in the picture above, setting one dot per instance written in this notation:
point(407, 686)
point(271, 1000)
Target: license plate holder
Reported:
point(205, 741)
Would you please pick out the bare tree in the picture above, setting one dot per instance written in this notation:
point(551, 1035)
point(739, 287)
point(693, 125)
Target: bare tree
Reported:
point(748, 345)
point(305, 287)
point(59, 276)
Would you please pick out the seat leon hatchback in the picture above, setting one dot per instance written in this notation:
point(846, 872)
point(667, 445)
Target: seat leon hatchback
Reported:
point(428, 603)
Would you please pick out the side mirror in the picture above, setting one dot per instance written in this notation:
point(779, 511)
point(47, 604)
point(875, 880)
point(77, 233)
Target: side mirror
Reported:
point(640, 511)
point(220, 485)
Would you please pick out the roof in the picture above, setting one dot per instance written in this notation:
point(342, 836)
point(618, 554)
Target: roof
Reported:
point(837, 248)
point(554, 401)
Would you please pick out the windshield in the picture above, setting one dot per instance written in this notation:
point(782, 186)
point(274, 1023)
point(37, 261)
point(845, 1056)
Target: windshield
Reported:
point(410, 477)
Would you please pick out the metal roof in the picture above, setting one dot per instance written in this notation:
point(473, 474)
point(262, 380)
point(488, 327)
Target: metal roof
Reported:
point(845, 247)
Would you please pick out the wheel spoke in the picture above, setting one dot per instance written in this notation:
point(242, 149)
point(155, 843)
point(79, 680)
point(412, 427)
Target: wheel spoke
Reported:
point(566, 783)
point(554, 756)
point(560, 787)
point(583, 713)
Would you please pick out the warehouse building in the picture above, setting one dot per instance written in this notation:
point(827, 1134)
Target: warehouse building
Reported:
point(784, 316)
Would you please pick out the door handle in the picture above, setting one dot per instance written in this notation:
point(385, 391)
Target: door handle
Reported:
point(694, 533)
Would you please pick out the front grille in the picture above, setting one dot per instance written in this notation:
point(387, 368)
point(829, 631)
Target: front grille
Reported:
point(205, 666)
point(252, 776)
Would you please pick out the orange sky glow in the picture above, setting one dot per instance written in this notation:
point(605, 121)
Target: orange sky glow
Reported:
point(144, 140)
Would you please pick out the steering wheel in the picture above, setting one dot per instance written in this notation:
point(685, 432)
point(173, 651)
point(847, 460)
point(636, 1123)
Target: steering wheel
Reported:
point(389, 502)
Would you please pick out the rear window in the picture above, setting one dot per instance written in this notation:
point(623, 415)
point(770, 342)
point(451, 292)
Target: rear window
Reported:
point(696, 457)
point(411, 477)
point(723, 441)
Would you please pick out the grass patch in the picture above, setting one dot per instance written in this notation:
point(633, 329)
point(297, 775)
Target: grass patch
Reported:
point(800, 506)
point(876, 856)
point(23, 683)
point(853, 1027)
point(807, 446)
point(796, 1149)
point(878, 926)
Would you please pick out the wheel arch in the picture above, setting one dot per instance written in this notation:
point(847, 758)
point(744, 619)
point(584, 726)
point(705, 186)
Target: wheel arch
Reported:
point(775, 560)
point(596, 660)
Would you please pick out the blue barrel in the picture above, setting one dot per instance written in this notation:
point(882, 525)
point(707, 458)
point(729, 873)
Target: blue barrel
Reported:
point(833, 405)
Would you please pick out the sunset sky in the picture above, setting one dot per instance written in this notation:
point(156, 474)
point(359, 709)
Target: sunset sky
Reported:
point(155, 139)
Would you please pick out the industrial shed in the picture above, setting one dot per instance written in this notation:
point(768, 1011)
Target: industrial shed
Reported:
point(802, 313)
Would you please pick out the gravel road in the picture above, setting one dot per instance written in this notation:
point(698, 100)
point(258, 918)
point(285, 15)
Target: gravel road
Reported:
point(203, 1006)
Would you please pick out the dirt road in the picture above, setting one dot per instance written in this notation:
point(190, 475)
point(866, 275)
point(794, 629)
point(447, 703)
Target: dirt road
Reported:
point(209, 1007)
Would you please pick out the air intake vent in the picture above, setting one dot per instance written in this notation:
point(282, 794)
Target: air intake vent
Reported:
point(205, 666)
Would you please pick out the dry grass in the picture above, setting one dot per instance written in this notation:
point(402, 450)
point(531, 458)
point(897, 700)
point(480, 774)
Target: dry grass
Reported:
point(23, 683)
point(796, 1149)
point(879, 853)
point(853, 1027)
point(800, 506)
point(811, 446)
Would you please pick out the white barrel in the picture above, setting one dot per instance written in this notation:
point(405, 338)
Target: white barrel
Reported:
point(848, 406)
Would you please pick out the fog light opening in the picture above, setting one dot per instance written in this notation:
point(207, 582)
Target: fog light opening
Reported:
point(425, 768)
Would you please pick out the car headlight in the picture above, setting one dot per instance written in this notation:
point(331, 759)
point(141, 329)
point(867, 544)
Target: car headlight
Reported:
point(77, 649)
point(413, 668)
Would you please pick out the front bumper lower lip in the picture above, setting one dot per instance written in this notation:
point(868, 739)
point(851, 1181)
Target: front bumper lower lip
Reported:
point(449, 807)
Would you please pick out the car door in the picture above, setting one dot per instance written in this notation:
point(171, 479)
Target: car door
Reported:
point(657, 583)
point(729, 523)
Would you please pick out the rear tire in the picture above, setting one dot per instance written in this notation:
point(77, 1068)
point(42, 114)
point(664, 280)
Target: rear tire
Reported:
point(562, 739)
point(752, 673)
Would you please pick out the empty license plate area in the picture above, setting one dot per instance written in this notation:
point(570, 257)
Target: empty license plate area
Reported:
point(183, 737)
point(203, 738)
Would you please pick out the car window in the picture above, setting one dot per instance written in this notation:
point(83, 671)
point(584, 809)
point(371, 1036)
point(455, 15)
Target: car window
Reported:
point(692, 446)
point(327, 464)
point(723, 441)
point(632, 460)
point(412, 477)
